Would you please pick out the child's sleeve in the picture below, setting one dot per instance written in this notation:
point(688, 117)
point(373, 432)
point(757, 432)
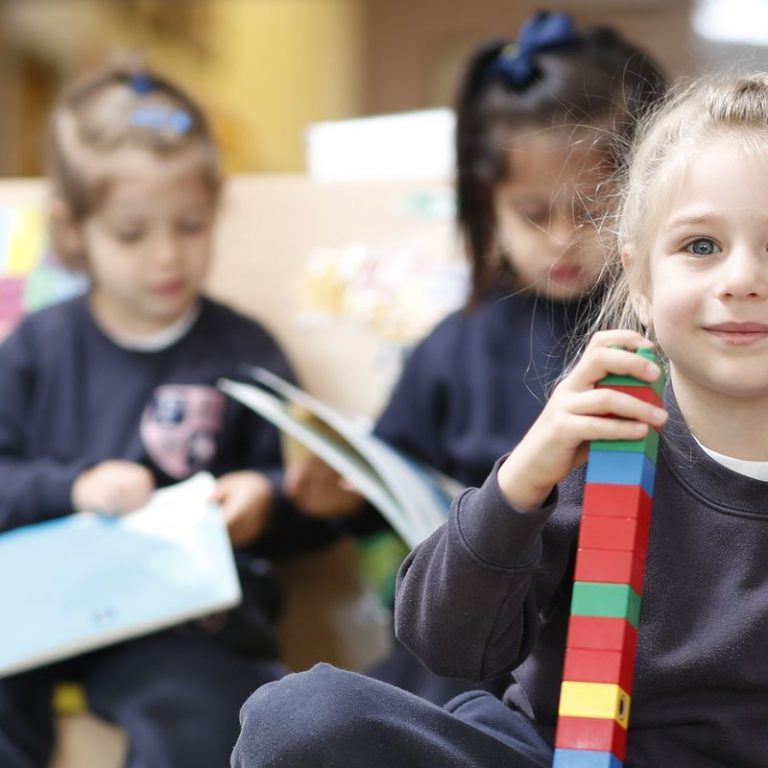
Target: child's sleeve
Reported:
point(466, 598)
point(31, 489)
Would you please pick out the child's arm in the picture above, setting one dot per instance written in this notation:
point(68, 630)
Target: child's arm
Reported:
point(33, 487)
point(469, 597)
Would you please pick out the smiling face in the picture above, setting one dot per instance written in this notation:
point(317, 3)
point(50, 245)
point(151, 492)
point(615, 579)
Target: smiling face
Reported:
point(148, 243)
point(708, 269)
point(547, 211)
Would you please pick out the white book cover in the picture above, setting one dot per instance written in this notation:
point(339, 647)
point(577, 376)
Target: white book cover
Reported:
point(415, 499)
point(85, 581)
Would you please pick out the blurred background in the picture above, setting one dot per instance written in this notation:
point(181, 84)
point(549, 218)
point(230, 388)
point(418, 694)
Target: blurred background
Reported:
point(266, 69)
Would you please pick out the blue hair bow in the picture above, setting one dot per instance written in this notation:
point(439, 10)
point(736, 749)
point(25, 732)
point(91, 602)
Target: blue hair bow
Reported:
point(542, 31)
point(161, 118)
point(156, 116)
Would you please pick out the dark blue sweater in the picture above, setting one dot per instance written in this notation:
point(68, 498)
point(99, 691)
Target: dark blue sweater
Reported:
point(71, 398)
point(490, 592)
point(474, 386)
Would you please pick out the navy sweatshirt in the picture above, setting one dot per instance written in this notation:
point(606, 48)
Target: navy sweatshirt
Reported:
point(490, 592)
point(71, 398)
point(474, 386)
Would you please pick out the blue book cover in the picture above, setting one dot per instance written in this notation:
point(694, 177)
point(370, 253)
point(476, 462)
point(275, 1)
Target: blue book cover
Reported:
point(85, 581)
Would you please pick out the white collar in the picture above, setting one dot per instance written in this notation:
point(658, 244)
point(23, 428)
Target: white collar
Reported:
point(162, 339)
point(757, 470)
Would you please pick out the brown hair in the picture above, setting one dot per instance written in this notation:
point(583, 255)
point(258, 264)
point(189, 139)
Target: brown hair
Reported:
point(109, 110)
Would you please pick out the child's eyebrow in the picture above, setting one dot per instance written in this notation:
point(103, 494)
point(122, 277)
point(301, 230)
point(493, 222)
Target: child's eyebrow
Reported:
point(712, 217)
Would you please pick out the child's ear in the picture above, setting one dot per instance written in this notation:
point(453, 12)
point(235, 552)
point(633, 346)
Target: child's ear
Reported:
point(66, 234)
point(638, 295)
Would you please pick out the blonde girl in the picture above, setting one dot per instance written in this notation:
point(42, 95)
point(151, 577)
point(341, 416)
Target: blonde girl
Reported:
point(490, 592)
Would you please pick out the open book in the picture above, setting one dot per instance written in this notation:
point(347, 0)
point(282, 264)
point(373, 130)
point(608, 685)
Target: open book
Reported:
point(412, 497)
point(85, 581)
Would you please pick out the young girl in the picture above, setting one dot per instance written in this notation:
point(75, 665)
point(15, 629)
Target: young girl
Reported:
point(534, 124)
point(490, 591)
point(106, 397)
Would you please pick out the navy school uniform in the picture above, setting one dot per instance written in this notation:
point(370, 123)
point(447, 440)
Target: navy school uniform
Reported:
point(490, 592)
point(70, 398)
point(468, 393)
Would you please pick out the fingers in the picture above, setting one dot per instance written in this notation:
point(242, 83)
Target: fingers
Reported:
point(604, 401)
point(612, 352)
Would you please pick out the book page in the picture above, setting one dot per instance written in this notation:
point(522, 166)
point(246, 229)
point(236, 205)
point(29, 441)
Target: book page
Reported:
point(423, 496)
point(85, 581)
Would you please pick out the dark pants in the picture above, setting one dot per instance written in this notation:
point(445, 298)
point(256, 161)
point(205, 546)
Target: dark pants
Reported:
point(176, 695)
point(404, 670)
point(329, 718)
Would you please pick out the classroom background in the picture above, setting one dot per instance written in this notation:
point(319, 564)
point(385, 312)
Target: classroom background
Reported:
point(335, 121)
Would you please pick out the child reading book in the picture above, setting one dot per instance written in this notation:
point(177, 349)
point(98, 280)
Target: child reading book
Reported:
point(108, 396)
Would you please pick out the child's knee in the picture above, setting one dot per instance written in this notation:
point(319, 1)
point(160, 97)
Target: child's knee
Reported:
point(303, 715)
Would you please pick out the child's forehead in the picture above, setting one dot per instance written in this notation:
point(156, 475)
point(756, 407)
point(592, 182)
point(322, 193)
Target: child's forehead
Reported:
point(546, 155)
point(732, 164)
point(135, 175)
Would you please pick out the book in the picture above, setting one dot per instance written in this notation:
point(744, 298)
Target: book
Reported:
point(85, 581)
point(413, 497)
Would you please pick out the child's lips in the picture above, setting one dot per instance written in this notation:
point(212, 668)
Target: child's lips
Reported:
point(566, 273)
point(738, 333)
point(169, 287)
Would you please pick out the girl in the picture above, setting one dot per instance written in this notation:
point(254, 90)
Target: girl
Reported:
point(490, 591)
point(106, 397)
point(534, 123)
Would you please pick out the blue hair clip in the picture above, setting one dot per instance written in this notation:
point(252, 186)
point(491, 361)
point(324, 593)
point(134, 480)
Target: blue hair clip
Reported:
point(541, 32)
point(161, 118)
point(142, 83)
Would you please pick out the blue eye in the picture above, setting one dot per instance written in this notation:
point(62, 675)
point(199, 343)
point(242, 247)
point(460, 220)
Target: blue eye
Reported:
point(702, 246)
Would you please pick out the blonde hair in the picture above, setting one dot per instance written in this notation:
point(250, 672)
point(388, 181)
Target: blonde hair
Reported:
point(692, 114)
point(109, 110)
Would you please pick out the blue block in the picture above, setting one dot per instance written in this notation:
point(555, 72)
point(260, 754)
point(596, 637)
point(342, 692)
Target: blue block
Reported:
point(584, 758)
point(621, 468)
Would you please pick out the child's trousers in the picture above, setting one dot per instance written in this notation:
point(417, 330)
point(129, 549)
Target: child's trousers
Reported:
point(177, 696)
point(329, 718)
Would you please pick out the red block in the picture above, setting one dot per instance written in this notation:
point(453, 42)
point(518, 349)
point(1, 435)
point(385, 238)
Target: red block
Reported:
point(628, 534)
point(611, 567)
point(601, 633)
point(646, 394)
point(598, 734)
point(604, 500)
point(588, 666)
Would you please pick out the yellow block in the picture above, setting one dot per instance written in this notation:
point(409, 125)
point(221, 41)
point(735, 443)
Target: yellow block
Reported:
point(604, 700)
point(69, 699)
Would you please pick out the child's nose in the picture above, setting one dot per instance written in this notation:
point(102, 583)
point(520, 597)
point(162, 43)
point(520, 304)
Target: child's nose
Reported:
point(745, 273)
point(168, 248)
point(562, 230)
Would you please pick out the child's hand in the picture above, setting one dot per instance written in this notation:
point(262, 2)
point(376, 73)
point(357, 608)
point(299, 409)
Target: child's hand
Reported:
point(112, 488)
point(577, 413)
point(319, 491)
point(246, 499)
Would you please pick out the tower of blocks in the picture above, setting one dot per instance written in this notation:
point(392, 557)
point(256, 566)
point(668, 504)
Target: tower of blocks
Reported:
point(595, 696)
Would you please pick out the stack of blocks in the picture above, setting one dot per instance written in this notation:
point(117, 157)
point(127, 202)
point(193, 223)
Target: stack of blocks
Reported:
point(593, 715)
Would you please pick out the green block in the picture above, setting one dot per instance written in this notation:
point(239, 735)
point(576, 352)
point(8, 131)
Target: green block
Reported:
point(648, 445)
point(629, 381)
point(617, 601)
